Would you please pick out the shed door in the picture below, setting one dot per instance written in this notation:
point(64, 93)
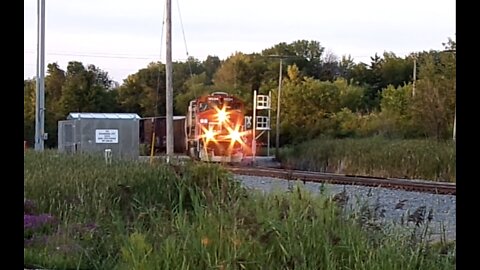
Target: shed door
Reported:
point(68, 138)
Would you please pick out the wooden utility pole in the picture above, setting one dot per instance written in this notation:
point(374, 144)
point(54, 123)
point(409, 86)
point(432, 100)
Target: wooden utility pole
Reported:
point(277, 132)
point(169, 82)
point(414, 73)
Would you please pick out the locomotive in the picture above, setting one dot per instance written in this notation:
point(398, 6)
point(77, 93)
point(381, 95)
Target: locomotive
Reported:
point(215, 128)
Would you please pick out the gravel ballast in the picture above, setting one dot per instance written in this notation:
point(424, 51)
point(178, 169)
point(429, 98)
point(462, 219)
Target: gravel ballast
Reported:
point(394, 206)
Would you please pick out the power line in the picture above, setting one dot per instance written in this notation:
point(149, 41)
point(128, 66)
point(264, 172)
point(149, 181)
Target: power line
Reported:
point(112, 56)
point(99, 55)
point(184, 38)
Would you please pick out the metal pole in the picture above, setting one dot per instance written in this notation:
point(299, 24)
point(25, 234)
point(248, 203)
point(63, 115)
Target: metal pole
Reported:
point(455, 123)
point(269, 117)
point(277, 145)
point(169, 82)
point(254, 139)
point(40, 85)
point(414, 73)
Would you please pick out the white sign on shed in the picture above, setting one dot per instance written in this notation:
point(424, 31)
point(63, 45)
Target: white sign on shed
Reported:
point(106, 135)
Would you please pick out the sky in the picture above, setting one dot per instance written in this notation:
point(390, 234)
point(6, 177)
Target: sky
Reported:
point(124, 36)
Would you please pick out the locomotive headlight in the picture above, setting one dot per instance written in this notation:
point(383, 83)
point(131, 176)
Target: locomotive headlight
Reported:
point(222, 116)
point(209, 134)
point(235, 135)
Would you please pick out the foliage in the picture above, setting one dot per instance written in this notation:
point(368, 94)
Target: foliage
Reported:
point(85, 89)
point(377, 156)
point(320, 90)
point(434, 102)
point(196, 217)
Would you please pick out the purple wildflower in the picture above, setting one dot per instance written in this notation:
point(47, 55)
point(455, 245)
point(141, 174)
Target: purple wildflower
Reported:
point(34, 222)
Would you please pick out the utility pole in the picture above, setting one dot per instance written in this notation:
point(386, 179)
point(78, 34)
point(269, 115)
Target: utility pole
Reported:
point(277, 129)
point(454, 123)
point(277, 132)
point(454, 51)
point(169, 82)
point(414, 73)
point(40, 84)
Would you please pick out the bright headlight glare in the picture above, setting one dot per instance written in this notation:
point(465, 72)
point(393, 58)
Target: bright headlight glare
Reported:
point(222, 116)
point(209, 134)
point(235, 135)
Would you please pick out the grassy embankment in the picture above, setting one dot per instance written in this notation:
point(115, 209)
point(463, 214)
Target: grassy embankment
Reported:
point(418, 159)
point(131, 215)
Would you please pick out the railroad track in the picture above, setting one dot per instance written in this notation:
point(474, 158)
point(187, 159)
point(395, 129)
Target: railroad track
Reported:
point(344, 179)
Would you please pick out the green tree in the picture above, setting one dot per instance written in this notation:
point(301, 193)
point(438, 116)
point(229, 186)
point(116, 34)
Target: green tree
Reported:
point(54, 82)
point(85, 90)
point(329, 69)
point(307, 107)
point(396, 71)
point(396, 112)
point(350, 96)
point(345, 67)
point(434, 101)
point(144, 91)
point(236, 76)
point(195, 88)
point(307, 55)
point(29, 111)
point(211, 65)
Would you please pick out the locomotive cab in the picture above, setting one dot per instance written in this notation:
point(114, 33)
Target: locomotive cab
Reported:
point(215, 128)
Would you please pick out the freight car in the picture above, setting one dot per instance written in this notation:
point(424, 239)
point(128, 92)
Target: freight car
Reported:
point(156, 126)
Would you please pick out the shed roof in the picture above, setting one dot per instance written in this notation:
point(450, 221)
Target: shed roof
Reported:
point(76, 115)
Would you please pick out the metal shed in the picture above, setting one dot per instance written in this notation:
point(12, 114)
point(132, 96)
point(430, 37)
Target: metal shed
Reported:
point(95, 132)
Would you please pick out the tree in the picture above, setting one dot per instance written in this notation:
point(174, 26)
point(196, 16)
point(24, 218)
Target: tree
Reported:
point(85, 90)
point(329, 69)
point(434, 102)
point(195, 87)
point(350, 96)
point(54, 82)
point(396, 71)
point(236, 76)
point(211, 65)
point(396, 112)
point(345, 67)
point(305, 54)
point(144, 92)
point(307, 106)
point(29, 111)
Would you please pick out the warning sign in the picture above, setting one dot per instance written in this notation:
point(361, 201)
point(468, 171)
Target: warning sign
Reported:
point(106, 135)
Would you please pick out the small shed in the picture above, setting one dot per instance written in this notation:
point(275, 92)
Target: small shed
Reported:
point(95, 132)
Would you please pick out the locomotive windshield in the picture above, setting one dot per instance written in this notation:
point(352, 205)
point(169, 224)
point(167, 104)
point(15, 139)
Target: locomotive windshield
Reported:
point(215, 103)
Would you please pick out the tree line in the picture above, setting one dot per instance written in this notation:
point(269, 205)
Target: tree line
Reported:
point(322, 94)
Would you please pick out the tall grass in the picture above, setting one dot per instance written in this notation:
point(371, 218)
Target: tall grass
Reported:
point(421, 159)
point(195, 216)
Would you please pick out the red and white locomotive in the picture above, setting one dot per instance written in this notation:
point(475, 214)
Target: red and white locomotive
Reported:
point(215, 128)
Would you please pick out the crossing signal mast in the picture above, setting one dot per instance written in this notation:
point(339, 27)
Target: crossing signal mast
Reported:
point(260, 122)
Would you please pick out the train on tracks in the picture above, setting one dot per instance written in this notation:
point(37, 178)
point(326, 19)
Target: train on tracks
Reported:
point(213, 130)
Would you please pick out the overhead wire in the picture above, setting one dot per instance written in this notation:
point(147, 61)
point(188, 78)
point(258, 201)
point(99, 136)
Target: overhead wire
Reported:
point(186, 49)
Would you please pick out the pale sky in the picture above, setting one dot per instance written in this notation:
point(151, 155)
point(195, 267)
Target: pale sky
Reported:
point(123, 36)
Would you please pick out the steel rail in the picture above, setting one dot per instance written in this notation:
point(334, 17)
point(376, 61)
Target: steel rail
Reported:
point(345, 179)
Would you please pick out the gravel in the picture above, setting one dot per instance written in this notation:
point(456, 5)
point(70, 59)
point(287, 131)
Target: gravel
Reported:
point(396, 207)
